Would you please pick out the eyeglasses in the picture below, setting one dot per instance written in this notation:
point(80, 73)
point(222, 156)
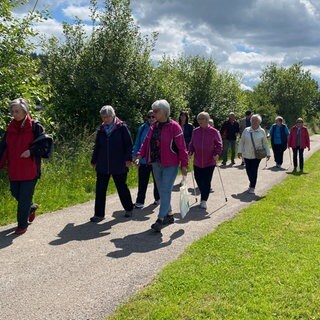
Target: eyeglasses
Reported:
point(156, 110)
point(150, 117)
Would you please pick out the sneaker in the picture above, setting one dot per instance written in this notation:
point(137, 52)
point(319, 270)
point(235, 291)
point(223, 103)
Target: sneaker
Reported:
point(138, 205)
point(128, 214)
point(157, 226)
point(20, 230)
point(223, 164)
point(32, 213)
point(251, 190)
point(156, 202)
point(96, 219)
point(203, 204)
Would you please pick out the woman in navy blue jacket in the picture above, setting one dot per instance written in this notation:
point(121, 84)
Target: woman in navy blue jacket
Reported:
point(279, 139)
point(112, 156)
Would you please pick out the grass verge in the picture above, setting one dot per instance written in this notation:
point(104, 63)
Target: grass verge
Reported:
point(264, 264)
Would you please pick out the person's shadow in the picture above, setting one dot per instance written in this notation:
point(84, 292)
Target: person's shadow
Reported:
point(7, 237)
point(141, 242)
point(246, 197)
point(195, 214)
point(89, 230)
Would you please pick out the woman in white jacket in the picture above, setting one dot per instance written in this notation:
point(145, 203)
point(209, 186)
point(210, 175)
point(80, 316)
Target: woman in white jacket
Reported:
point(253, 138)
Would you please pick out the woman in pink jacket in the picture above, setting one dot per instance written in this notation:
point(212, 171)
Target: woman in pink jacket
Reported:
point(206, 145)
point(164, 147)
point(298, 141)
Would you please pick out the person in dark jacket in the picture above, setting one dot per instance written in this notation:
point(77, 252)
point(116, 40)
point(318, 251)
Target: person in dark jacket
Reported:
point(186, 127)
point(279, 138)
point(144, 169)
point(229, 131)
point(112, 156)
point(23, 160)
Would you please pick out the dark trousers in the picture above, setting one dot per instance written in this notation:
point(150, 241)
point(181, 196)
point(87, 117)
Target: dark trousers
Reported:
point(252, 166)
point(295, 157)
point(102, 183)
point(203, 178)
point(226, 144)
point(23, 192)
point(278, 153)
point(144, 172)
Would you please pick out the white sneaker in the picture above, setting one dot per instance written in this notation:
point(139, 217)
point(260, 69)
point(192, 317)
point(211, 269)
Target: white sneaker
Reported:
point(251, 190)
point(139, 205)
point(203, 204)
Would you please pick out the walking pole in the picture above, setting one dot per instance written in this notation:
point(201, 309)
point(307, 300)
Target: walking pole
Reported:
point(225, 198)
point(194, 186)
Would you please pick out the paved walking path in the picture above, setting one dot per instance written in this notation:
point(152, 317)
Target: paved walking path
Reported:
point(65, 267)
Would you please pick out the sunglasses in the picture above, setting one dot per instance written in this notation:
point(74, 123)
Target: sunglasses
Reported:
point(150, 117)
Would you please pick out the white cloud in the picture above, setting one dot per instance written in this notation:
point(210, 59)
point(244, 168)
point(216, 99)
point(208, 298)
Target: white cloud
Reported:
point(241, 38)
point(83, 13)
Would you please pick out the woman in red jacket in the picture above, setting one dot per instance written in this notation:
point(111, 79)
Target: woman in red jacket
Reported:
point(23, 160)
point(298, 141)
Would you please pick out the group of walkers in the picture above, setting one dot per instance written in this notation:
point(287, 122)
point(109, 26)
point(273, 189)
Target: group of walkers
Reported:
point(161, 147)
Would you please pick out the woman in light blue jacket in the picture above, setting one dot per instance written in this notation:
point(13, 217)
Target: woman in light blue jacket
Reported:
point(145, 169)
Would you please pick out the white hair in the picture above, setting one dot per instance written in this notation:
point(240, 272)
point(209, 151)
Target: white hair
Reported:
point(107, 111)
point(162, 105)
point(256, 116)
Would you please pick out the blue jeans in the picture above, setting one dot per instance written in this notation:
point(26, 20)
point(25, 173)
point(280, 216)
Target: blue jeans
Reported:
point(165, 177)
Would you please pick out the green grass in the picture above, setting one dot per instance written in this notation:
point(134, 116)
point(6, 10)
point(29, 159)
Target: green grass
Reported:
point(264, 264)
point(67, 179)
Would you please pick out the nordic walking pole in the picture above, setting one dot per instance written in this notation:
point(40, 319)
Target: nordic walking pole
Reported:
point(194, 186)
point(225, 197)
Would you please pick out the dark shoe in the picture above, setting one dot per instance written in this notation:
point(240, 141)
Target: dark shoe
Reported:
point(20, 230)
point(96, 219)
point(156, 202)
point(233, 162)
point(168, 219)
point(32, 213)
point(128, 214)
point(157, 226)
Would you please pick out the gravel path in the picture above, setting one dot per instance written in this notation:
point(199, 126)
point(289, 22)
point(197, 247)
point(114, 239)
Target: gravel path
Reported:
point(66, 268)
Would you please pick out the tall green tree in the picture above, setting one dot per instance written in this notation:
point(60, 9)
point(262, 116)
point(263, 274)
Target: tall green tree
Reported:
point(112, 66)
point(291, 91)
point(20, 73)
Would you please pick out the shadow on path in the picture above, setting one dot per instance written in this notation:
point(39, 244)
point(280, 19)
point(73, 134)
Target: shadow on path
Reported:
point(7, 237)
point(141, 242)
point(89, 230)
point(246, 197)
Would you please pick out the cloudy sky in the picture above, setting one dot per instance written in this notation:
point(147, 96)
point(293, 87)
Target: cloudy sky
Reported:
point(242, 36)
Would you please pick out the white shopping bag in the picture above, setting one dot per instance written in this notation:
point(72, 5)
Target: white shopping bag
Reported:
point(184, 199)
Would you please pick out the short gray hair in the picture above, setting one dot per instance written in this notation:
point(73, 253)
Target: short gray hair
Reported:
point(203, 114)
point(20, 102)
point(107, 111)
point(279, 118)
point(256, 116)
point(162, 105)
